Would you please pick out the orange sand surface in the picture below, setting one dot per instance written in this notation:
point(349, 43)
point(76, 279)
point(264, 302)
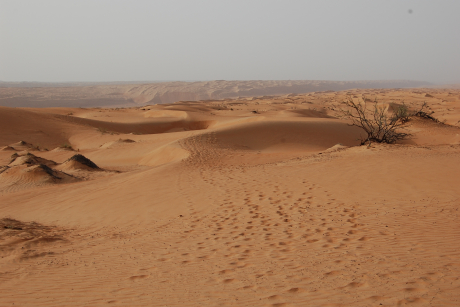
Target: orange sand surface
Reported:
point(237, 202)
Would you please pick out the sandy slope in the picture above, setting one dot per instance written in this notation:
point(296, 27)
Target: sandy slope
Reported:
point(248, 202)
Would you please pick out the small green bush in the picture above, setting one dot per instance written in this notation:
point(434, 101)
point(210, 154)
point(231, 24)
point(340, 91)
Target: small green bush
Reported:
point(66, 146)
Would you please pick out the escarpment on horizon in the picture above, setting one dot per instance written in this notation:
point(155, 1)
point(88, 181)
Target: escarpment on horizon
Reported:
point(128, 94)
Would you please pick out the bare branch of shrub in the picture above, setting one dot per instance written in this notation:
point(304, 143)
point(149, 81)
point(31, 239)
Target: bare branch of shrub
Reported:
point(380, 125)
point(424, 113)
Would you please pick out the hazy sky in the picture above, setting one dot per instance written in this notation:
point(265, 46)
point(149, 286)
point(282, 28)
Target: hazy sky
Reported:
point(111, 40)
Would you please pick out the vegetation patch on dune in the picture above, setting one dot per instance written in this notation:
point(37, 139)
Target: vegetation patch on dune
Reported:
point(382, 123)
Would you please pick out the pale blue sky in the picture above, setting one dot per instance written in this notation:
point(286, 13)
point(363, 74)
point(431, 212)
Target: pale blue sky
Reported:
point(111, 40)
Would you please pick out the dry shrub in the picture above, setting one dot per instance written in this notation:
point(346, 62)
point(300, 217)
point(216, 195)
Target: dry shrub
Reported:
point(381, 122)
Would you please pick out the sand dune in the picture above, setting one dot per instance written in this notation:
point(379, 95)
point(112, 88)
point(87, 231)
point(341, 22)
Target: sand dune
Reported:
point(258, 201)
point(304, 136)
point(78, 162)
point(42, 130)
point(29, 159)
point(7, 148)
point(164, 155)
point(26, 170)
point(29, 171)
point(119, 142)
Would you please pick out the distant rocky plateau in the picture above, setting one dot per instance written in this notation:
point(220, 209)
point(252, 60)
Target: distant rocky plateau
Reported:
point(123, 94)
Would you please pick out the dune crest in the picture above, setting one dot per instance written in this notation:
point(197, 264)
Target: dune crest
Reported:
point(78, 162)
point(29, 159)
point(29, 171)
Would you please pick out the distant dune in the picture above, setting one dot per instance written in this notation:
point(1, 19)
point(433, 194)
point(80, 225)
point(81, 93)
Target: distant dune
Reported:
point(39, 95)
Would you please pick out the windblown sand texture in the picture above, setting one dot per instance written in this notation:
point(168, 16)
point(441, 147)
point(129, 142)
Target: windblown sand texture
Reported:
point(246, 202)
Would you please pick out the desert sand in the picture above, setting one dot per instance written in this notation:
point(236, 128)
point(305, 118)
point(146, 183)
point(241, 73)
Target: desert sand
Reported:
point(262, 201)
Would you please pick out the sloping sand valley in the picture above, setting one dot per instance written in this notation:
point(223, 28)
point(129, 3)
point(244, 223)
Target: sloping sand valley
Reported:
point(237, 202)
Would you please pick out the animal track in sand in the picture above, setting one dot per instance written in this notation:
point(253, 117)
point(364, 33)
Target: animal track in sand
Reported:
point(296, 290)
point(411, 290)
point(354, 284)
point(333, 273)
point(138, 277)
point(412, 300)
point(275, 297)
point(229, 280)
